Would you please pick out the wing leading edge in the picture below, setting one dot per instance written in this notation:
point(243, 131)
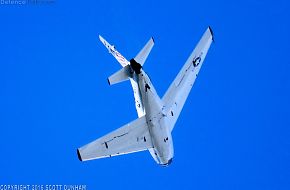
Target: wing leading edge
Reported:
point(178, 91)
point(132, 137)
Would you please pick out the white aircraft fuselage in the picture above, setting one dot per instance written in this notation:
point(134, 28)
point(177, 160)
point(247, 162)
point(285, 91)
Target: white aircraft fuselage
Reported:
point(156, 117)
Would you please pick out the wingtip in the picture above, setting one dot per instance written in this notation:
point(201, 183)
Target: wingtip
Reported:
point(211, 31)
point(109, 81)
point(153, 39)
point(79, 155)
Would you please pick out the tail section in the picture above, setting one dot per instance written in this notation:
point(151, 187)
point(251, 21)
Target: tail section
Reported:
point(130, 70)
point(134, 66)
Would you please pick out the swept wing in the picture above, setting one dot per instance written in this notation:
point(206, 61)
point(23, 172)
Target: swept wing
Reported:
point(132, 137)
point(178, 91)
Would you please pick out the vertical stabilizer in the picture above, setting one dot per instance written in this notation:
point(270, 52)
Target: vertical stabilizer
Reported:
point(112, 50)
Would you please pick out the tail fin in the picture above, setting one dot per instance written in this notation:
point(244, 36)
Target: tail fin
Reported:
point(143, 54)
point(120, 76)
point(112, 50)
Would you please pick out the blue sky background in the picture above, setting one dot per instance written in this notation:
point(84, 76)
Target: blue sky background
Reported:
point(233, 132)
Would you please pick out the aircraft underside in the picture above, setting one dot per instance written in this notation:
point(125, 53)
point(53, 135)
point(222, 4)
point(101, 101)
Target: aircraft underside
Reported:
point(156, 116)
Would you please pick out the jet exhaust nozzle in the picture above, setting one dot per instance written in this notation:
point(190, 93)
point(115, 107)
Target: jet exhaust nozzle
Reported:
point(135, 66)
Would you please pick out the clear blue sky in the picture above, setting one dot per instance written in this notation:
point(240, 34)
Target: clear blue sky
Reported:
point(233, 132)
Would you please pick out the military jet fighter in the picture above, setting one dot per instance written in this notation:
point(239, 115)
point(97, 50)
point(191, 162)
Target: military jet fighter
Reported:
point(156, 116)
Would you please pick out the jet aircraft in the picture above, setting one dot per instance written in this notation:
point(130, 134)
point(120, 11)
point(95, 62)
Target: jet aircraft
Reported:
point(156, 116)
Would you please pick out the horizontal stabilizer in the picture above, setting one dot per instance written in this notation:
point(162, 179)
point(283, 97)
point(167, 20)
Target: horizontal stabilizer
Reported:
point(120, 76)
point(143, 54)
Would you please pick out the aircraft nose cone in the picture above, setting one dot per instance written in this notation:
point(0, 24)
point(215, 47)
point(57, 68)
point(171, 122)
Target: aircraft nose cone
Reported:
point(168, 163)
